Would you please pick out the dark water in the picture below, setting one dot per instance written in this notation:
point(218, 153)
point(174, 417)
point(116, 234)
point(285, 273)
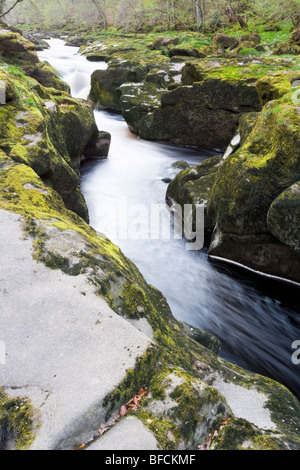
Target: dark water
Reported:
point(257, 319)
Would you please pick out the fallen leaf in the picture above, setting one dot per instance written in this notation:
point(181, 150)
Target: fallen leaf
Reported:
point(81, 447)
point(102, 431)
point(123, 410)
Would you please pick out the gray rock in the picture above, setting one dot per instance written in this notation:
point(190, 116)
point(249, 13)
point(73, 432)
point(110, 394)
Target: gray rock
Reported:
point(128, 434)
point(65, 348)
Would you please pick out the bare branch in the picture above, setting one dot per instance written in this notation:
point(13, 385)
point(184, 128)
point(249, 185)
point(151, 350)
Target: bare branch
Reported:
point(10, 9)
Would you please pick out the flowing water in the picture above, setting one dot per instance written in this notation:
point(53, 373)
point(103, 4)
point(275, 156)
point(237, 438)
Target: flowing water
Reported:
point(256, 318)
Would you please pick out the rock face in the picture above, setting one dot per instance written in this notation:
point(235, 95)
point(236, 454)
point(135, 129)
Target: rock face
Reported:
point(203, 111)
point(40, 126)
point(193, 186)
point(253, 202)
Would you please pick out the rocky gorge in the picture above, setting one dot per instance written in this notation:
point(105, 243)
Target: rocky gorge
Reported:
point(84, 332)
point(215, 97)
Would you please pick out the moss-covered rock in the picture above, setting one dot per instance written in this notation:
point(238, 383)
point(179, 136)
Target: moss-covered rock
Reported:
point(204, 112)
point(18, 422)
point(250, 180)
point(292, 46)
point(284, 217)
point(193, 186)
point(40, 127)
point(14, 46)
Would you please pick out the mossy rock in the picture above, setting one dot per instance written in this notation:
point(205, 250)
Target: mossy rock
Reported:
point(276, 85)
point(18, 422)
point(104, 84)
point(193, 186)
point(16, 47)
point(137, 100)
point(40, 126)
point(248, 182)
point(284, 217)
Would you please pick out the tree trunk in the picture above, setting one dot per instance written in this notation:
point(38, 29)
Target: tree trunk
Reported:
point(200, 15)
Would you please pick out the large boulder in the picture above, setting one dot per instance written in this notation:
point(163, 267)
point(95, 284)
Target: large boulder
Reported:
point(204, 111)
point(104, 83)
point(13, 45)
point(193, 185)
point(40, 128)
point(222, 41)
point(250, 180)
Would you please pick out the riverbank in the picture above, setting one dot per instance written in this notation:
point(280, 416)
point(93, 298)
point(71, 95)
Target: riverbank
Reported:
point(188, 391)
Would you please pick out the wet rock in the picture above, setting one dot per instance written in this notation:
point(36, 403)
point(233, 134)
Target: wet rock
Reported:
point(284, 217)
point(249, 182)
point(182, 164)
point(98, 146)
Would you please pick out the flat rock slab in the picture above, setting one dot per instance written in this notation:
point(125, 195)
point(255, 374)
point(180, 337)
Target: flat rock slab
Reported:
point(248, 404)
point(65, 348)
point(128, 434)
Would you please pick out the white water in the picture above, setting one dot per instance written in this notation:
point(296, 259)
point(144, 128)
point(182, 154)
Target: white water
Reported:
point(256, 319)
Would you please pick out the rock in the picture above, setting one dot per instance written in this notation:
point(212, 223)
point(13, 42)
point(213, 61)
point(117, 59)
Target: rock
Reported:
point(98, 146)
point(274, 86)
point(182, 164)
point(222, 41)
point(206, 339)
point(193, 186)
point(46, 137)
point(40, 44)
point(204, 111)
point(292, 46)
point(164, 42)
point(13, 45)
point(248, 182)
point(104, 83)
point(129, 434)
point(246, 124)
point(253, 38)
point(184, 52)
point(284, 217)
point(137, 100)
point(46, 76)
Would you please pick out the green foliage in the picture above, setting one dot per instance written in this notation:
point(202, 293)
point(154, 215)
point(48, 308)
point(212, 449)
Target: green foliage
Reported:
point(147, 15)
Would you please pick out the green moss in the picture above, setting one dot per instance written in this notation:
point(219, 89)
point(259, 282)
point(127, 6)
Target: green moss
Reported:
point(164, 429)
point(133, 302)
point(239, 434)
point(17, 422)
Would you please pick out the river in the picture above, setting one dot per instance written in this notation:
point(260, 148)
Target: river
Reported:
point(256, 318)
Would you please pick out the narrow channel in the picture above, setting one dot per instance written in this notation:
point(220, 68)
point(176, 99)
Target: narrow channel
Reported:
point(256, 318)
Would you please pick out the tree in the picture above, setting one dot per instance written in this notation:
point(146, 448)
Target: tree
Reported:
point(101, 7)
point(200, 14)
point(4, 12)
